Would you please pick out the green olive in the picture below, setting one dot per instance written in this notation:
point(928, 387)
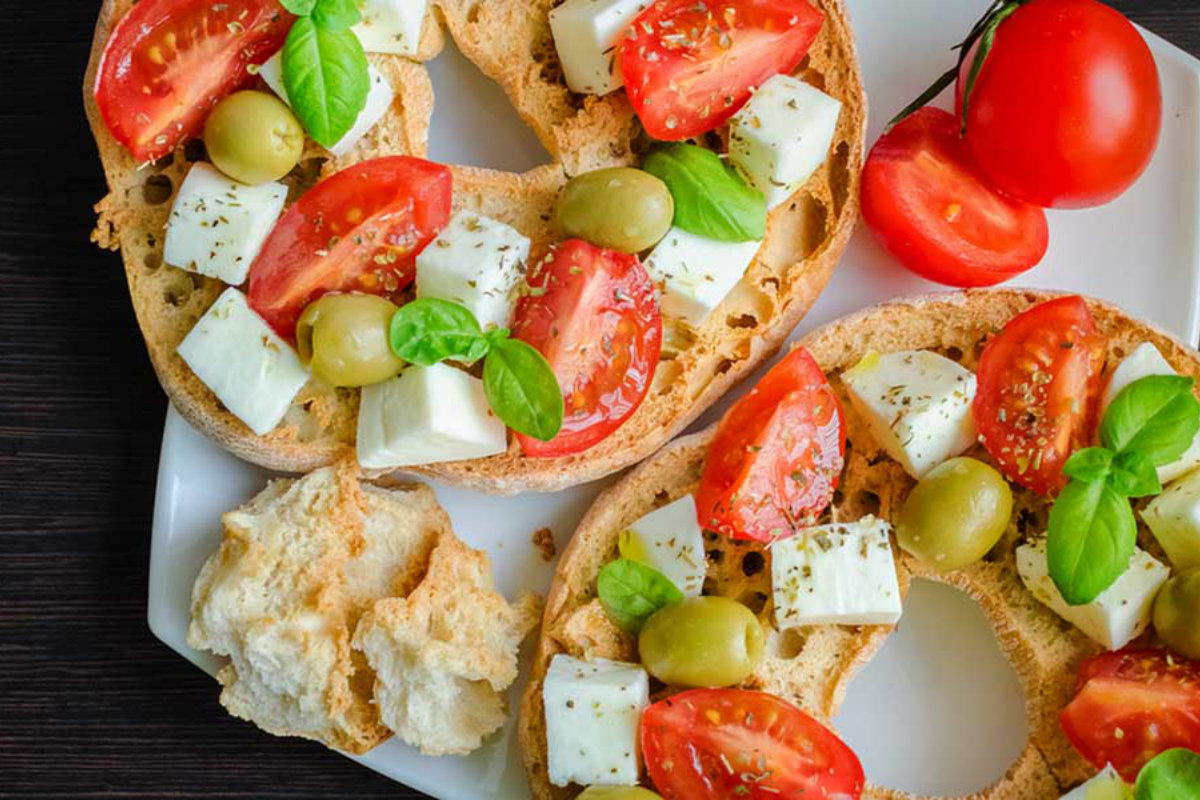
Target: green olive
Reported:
point(253, 137)
point(621, 208)
point(345, 339)
point(702, 641)
point(1177, 614)
point(955, 514)
point(618, 793)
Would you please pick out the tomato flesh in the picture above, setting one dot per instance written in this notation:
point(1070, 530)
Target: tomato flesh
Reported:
point(1133, 705)
point(932, 209)
point(777, 455)
point(734, 743)
point(1067, 109)
point(1038, 383)
point(359, 230)
point(168, 62)
point(689, 66)
point(594, 315)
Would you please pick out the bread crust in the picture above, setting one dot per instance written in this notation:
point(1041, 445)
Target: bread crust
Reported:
point(814, 668)
point(509, 41)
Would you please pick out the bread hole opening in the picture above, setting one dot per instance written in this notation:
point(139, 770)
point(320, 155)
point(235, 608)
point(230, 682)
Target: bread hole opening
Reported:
point(195, 150)
point(790, 643)
point(753, 563)
point(866, 502)
point(748, 321)
point(165, 161)
point(176, 296)
point(152, 261)
point(723, 366)
point(157, 189)
point(473, 14)
point(839, 177)
point(954, 353)
point(755, 601)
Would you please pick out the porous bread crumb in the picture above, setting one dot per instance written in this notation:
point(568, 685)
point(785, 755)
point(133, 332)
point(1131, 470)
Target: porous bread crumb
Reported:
point(543, 540)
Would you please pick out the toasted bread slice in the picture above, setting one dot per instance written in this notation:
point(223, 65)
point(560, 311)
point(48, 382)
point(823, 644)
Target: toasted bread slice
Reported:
point(510, 41)
point(813, 666)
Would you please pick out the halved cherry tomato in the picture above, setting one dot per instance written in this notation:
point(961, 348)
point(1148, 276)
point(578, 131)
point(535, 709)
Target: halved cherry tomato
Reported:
point(931, 207)
point(1038, 383)
point(359, 230)
point(727, 744)
point(168, 62)
point(777, 455)
point(594, 315)
point(689, 66)
point(1133, 705)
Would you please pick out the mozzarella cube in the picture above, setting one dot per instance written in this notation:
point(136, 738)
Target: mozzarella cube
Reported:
point(427, 415)
point(586, 36)
point(696, 273)
point(1174, 519)
point(391, 26)
point(1118, 615)
point(252, 371)
point(1143, 362)
point(379, 100)
point(1105, 785)
point(476, 262)
point(593, 714)
point(217, 225)
point(842, 574)
point(918, 405)
point(669, 539)
point(782, 135)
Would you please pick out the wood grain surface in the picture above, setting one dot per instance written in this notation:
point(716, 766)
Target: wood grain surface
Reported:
point(91, 705)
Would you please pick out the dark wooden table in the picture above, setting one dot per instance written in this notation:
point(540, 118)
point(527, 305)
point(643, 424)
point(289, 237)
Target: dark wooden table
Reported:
point(91, 705)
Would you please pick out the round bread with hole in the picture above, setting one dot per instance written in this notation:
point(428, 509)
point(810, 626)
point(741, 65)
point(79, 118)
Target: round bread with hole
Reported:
point(813, 666)
point(511, 43)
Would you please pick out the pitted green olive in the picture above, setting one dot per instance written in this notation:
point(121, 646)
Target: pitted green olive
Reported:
point(620, 208)
point(618, 793)
point(1177, 614)
point(702, 642)
point(345, 339)
point(253, 137)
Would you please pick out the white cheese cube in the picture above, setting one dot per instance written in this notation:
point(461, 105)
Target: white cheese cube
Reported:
point(476, 262)
point(1174, 519)
point(918, 405)
point(841, 574)
point(593, 715)
point(669, 539)
point(217, 225)
point(587, 34)
point(426, 415)
point(252, 371)
point(696, 273)
point(379, 100)
point(1105, 785)
point(782, 135)
point(1143, 362)
point(391, 26)
point(1118, 615)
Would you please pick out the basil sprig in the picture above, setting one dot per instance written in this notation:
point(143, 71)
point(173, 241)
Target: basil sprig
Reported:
point(1171, 775)
point(711, 199)
point(518, 381)
point(1092, 530)
point(631, 592)
point(324, 68)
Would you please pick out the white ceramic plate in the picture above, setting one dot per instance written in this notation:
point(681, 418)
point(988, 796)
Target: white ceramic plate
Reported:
point(902, 714)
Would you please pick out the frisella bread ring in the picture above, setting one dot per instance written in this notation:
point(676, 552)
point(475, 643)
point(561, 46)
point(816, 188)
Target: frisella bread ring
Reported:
point(511, 42)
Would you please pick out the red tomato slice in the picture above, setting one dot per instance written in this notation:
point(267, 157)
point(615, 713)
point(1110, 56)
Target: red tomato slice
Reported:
point(730, 744)
point(933, 210)
point(1039, 379)
point(360, 230)
point(777, 456)
point(168, 62)
point(689, 66)
point(594, 315)
point(1133, 705)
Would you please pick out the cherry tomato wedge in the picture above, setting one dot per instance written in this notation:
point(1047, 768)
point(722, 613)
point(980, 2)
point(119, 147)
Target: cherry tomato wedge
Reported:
point(933, 210)
point(729, 744)
point(359, 230)
point(1133, 705)
point(777, 455)
point(168, 62)
point(594, 315)
point(1039, 380)
point(690, 66)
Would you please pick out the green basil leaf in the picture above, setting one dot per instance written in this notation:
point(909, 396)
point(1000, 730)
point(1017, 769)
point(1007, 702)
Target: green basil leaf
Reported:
point(1157, 415)
point(1089, 464)
point(429, 330)
point(711, 199)
point(326, 79)
point(631, 592)
point(301, 8)
point(522, 390)
point(1091, 538)
point(1133, 475)
point(336, 15)
point(1171, 775)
